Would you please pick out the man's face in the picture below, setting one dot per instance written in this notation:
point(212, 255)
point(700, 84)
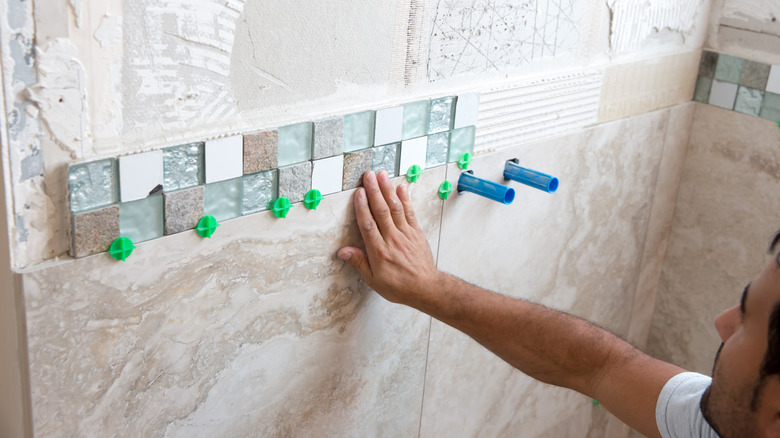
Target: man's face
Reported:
point(736, 374)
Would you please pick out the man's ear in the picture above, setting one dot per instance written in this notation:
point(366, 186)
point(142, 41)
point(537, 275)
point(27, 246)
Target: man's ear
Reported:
point(770, 406)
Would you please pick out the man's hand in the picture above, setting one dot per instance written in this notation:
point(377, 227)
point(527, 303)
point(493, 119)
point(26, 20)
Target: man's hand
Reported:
point(397, 262)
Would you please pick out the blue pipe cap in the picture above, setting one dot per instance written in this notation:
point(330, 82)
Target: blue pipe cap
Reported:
point(530, 177)
point(467, 182)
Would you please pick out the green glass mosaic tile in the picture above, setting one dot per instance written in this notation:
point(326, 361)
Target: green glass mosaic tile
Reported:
point(416, 119)
point(386, 158)
point(182, 166)
point(259, 190)
point(295, 143)
point(461, 142)
point(93, 184)
point(143, 219)
point(729, 68)
point(359, 131)
point(770, 108)
point(437, 149)
point(749, 101)
point(442, 113)
point(224, 199)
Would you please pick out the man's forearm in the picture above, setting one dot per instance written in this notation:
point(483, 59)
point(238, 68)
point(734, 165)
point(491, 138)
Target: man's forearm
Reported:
point(546, 344)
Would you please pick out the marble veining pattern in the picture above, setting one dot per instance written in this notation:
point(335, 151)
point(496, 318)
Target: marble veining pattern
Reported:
point(201, 337)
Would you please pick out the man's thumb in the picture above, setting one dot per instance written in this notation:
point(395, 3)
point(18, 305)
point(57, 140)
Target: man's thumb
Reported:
point(357, 258)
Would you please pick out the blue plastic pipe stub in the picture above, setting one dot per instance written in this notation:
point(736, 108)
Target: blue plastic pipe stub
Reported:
point(529, 177)
point(488, 189)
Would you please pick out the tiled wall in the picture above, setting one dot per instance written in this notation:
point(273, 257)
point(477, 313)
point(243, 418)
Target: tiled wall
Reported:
point(738, 84)
point(147, 195)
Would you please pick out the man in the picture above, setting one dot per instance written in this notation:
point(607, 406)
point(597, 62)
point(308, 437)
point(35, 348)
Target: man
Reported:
point(654, 397)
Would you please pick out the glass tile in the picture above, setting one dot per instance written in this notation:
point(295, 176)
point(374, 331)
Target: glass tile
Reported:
point(295, 143)
point(707, 64)
point(461, 141)
point(436, 152)
point(359, 131)
point(142, 220)
point(754, 75)
point(93, 184)
point(770, 109)
point(259, 191)
point(416, 119)
point(182, 166)
point(442, 111)
point(466, 110)
point(386, 158)
point(749, 101)
point(723, 94)
point(729, 68)
point(223, 199)
point(702, 92)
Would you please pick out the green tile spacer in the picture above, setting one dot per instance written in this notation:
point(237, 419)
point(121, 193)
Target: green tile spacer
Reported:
point(207, 225)
point(281, 207)
point(413, 174)
point(465, 160)
point(445, 189)
point(121, 248)
point(312, 199)
point(596, 402)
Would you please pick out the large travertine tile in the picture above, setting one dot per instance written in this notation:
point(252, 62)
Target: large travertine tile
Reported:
point(258, 331)
point(577, 250)
point(661, 215)
point(726, 212)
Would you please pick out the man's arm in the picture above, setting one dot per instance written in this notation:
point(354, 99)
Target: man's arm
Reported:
point(551, 346)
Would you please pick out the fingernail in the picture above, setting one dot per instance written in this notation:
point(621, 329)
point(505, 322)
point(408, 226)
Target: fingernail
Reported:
point(382, 176)
point(361, 193)
point(345, 255)
point(370, 176)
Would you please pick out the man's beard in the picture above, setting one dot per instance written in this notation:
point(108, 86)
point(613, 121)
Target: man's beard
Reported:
point(706, 409)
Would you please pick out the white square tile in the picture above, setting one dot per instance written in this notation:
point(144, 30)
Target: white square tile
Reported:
point(466, 110)
point(327, 174)
point(224, 158)
point(389, 125)
point(773, 84)
point(139, 174)
point(413, 152)
point(723, 94)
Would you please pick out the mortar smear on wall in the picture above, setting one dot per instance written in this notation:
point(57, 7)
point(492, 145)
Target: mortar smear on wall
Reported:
point(633, 23)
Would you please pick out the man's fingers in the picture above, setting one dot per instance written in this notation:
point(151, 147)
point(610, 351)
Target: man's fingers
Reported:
point(406, 201)
point(366, 224)
point(393, 203)
point(357, 258)
point(376, 201)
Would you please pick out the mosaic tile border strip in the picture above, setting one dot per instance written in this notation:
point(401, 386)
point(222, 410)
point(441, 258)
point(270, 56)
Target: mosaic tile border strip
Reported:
point(151, 194)
point(739, 84)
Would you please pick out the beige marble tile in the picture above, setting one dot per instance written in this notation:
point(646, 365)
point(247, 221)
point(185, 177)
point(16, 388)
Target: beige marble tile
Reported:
point(661, 215)
point(725, 214)
point(577, 250)
point(638, 87)
point(258, 331)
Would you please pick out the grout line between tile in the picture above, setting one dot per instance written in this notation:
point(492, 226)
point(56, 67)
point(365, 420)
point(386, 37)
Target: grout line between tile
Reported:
point(430, 318)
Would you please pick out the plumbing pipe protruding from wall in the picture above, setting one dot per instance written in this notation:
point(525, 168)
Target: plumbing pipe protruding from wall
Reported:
point(530, 177)
point(482, 187)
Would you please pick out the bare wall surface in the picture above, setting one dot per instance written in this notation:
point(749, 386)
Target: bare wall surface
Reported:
point(725, 215)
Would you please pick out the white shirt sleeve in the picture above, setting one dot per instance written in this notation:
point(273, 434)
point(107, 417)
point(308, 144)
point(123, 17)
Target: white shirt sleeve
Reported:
point(678, 412)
